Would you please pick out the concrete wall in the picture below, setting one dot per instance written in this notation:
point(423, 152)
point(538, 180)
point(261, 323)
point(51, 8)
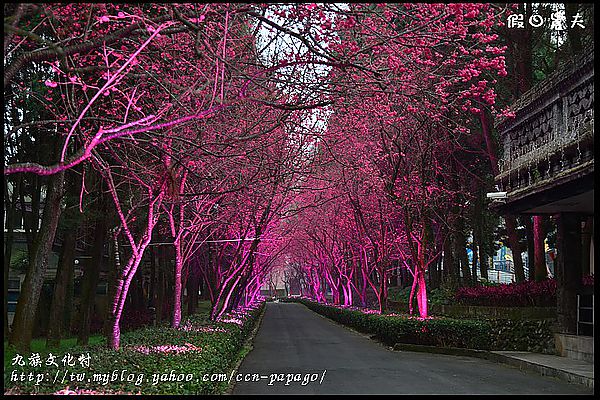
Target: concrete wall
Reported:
point(575, 347)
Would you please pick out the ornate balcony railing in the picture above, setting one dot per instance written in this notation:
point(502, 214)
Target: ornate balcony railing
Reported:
point(551, 136)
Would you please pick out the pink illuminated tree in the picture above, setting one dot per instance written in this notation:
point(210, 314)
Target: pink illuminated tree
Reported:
point(254, 136)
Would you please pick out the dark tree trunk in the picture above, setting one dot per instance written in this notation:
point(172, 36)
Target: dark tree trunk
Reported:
point(477, 226)
point(475, 262)
point(238, 294)
point(433, 276)
point(28, 227)
point(152, 289)
point(479, 252)
point(69, 226)
point(160, 298)
point(586, 244)
point(192, 290)
point(178, 288)
point(38, 263)
point(568, 270)
point(189, 301)
point(383, 291)
point(522, 54)
point(450, 270)
point(460, 250)
point(10, 202)
point(539, 237)
point(438, 271)
point(405, 278)
point(113, 272)
point(169, 287)
point(89, 284)
point(203, 289)
point(136, 295)
point(68, 310)
point(63, 275)
point(515, 246)
point(484, 259)
point(528, 222)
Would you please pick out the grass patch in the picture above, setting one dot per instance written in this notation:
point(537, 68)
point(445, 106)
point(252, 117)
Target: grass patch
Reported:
point(152, 360)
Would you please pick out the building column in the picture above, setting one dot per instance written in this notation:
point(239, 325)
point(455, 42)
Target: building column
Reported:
point(586, 237)
point(567, 270)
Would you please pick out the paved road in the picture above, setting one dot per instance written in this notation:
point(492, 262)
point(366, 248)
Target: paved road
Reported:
point(296, 344)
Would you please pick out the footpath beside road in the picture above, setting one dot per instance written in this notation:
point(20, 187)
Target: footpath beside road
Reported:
point(297, 351)
point(565, 369)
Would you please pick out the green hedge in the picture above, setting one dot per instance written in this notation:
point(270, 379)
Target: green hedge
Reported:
point(220, 350)
point(481, 334)
point(523, 335)
point(443, 332)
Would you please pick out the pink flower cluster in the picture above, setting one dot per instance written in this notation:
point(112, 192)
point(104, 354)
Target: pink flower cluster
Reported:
point(395, 315)
point(354, 308)
point(236, 321)
point(370, 311)
point(414, 317)
point(189, 327)
point(587, 280)
point(529, 293)
point(167, 348)
point(77, 391)
point(240, 314)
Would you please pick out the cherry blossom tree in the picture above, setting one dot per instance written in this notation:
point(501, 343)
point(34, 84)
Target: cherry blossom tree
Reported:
point(320, 134)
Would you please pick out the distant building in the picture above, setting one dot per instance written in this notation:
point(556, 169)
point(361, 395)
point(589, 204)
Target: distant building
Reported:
point(18, 267)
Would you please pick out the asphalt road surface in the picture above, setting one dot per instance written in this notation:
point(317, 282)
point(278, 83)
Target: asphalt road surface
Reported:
point(297, 351)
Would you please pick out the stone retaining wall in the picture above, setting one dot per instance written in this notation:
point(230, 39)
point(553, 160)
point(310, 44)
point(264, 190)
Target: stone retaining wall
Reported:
point(459, 311)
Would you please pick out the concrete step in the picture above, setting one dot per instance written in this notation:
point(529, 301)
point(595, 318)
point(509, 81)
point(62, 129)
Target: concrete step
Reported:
point(573, 371)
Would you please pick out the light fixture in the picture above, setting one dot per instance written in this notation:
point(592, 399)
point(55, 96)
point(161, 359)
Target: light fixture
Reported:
point(497, 195)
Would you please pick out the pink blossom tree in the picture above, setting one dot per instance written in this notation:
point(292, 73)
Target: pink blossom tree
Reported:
point(200, 128)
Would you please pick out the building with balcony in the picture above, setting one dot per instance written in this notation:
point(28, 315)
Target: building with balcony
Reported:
point(547, 167)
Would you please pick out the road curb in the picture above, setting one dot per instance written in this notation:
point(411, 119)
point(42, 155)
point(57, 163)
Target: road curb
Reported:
point(524, 365)
point(544, 370)
point(248, 342)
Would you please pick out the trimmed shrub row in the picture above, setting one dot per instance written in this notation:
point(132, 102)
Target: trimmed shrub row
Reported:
point(481, 334)
point(524, 294)
point(389, 329)
point(199, 348)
